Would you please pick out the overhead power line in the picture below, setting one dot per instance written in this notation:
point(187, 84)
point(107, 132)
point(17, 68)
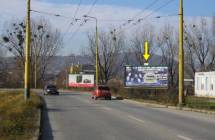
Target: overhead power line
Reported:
point(130, 21)
point(149, 6)
point(75, 14)
point(77, 9)
point(76, 19)
point(139, 13)
point(50, 14)
point(84, 21)
point(147, 16)
point(91, 8)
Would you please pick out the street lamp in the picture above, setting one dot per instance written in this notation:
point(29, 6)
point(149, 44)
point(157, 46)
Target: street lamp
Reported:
point(97, 48)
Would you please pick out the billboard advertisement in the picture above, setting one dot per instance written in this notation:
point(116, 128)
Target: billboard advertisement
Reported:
point(81, 80)
point(146, 77)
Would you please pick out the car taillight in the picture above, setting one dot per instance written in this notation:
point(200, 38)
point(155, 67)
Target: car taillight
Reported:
point(97, 91)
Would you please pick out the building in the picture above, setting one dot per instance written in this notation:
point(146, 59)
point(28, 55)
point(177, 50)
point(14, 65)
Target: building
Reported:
point(205, 84)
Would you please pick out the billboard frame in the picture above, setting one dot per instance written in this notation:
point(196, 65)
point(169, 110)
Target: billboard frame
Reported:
point(81, 83)
point(145, 87)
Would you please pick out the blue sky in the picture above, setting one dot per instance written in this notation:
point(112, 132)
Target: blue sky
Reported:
point(191, 7)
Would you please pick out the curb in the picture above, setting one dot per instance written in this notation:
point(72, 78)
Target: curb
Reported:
point(173, 107)
point(37, 132)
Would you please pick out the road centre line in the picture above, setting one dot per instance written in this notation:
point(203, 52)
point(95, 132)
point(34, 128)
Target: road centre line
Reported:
point(183, 137)
point(136, 119)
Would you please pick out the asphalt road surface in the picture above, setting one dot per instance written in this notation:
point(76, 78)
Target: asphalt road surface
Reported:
point(75, 116)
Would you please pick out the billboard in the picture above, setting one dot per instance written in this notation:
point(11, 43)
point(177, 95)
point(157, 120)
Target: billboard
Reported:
point(205, 84)
point(81, 80)
point(146, 77)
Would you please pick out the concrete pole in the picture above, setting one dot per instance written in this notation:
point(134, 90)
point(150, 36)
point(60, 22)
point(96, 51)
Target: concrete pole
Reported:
point(27, 53)
point(181, 56)
point(97, 54)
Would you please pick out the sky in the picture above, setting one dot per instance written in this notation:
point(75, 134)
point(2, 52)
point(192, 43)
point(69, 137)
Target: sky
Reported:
point(110, 14)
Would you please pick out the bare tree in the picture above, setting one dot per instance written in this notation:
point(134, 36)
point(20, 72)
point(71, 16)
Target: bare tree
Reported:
point(110, 47)
point(168, 43)
point(45, 43)
point(137, 43)
point(200, 46)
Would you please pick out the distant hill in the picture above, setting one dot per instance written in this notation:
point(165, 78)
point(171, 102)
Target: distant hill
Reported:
point(59, 63)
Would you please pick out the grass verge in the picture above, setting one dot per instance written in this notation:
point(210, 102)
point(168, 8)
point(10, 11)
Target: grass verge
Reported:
point(200, 103)
point(18, 117)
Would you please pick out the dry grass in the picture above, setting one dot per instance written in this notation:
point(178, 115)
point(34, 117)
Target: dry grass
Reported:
point(18, 117)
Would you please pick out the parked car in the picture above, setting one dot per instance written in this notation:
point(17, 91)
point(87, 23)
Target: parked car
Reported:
point(101, 91)
point(50, 90)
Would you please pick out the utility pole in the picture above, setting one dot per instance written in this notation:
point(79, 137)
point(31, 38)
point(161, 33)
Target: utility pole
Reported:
point(27, 53)
point(35, 69)
point(97, 54)
point(181, 56)
point(67, 74)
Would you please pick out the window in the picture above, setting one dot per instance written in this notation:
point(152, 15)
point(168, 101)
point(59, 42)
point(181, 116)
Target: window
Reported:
point(202, 87)
point(198, 82)
point(206, 83)
point(212, 87)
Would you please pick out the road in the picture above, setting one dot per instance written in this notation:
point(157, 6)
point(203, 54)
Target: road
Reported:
point(75, 116)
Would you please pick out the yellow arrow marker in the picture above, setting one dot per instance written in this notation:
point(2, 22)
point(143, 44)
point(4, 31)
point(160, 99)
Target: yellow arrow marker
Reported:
point(146, 54)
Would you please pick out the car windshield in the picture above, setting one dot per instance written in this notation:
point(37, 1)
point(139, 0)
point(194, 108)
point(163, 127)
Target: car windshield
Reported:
point(51, 86)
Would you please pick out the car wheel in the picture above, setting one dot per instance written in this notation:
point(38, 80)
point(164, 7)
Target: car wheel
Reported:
point(109, 98)
point(95, 98)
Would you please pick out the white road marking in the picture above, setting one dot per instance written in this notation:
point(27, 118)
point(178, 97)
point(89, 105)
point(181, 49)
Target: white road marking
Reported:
point(183, 137)
point(136, 119)
point(107, 108)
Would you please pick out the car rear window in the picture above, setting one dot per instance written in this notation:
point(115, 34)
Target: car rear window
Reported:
point(104, 88)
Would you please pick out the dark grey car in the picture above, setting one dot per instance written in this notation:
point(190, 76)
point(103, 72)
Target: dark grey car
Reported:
point(50, 90)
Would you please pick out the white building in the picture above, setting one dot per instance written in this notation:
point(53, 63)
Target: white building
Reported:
point(205, 84)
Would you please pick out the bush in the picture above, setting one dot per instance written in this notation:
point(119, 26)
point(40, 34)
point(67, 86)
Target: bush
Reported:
point(115, 86)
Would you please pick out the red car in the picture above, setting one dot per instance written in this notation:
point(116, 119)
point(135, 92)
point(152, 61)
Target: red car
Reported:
point(101, 92)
